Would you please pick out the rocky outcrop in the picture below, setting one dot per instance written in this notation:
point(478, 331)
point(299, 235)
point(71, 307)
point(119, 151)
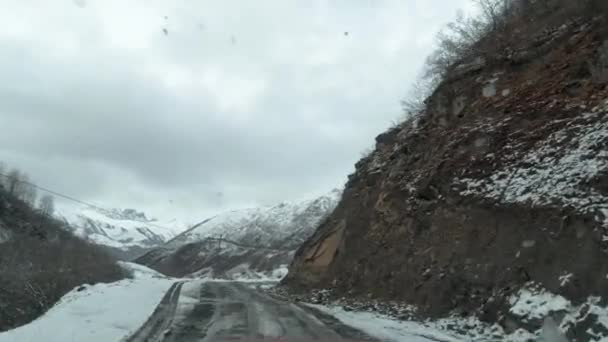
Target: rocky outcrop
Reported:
point(500, 184)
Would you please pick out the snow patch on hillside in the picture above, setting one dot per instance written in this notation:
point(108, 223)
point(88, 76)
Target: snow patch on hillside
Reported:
point(244, 273)
point(98, 313)
point(285, 223)
point(550, 316)
point(558, 172)
point(138, 271)
point(537, 303)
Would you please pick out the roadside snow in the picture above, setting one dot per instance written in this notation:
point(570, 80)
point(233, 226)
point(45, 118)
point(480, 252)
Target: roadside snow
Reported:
point(139, 271)
point(537, 303)
point(589, 311)
point(534, 303)
point(386, 328)
point(98, 313)
point(530, 304)
point(244, 274)
point(443, 330)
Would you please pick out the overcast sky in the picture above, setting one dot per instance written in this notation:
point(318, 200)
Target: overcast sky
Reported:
point(241, 103)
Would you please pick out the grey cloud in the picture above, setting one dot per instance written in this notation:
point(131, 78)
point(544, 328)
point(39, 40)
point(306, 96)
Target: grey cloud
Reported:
point(143, 117)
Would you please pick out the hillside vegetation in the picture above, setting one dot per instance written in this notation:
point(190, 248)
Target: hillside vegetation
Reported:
point(40, 260)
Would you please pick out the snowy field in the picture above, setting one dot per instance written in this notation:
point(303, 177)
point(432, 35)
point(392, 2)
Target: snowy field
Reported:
point(98, 313)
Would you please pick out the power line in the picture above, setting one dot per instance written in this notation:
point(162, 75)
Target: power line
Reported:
point(94, 206)
point(67, 197)
point(73, 199)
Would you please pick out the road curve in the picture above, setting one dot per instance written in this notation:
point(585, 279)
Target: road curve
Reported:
point(231, 311)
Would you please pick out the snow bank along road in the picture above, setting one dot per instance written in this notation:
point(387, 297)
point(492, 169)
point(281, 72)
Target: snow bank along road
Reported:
point(232, 311)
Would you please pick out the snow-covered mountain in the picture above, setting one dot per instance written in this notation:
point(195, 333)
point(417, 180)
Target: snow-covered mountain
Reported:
point(285, 225)
point(122, 229)
point(248, 241)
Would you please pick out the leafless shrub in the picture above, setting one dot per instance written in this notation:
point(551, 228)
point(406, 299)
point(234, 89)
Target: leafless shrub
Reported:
point(415, 102)
point(458, 41)
point(42, 261)
point(13, 182)
point(498, 24)
point(2, 172)
point(47, 205)
point(29, 193)
point(18, 184)
point(367, 153)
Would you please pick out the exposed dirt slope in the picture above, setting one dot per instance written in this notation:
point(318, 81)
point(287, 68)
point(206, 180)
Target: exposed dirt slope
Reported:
point(502, 182)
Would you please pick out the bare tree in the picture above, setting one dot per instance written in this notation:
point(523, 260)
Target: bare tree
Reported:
point(13, 182)
point(30, 194)
point(2, 174)
point(414, 103)
point(493, 12)
point(18, 184)
point(455, 43)
point(47, 205)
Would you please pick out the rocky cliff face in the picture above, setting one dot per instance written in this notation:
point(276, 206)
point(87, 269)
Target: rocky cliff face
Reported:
point(500, 184)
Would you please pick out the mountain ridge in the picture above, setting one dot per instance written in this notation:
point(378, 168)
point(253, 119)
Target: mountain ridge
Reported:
point(236, 222)
point(253, 241)
point(125, 232)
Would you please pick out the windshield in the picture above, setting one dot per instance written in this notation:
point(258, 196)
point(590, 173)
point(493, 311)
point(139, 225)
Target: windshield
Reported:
point(356, 170)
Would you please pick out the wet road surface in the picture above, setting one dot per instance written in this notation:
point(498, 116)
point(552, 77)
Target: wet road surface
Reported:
point(232, 311)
